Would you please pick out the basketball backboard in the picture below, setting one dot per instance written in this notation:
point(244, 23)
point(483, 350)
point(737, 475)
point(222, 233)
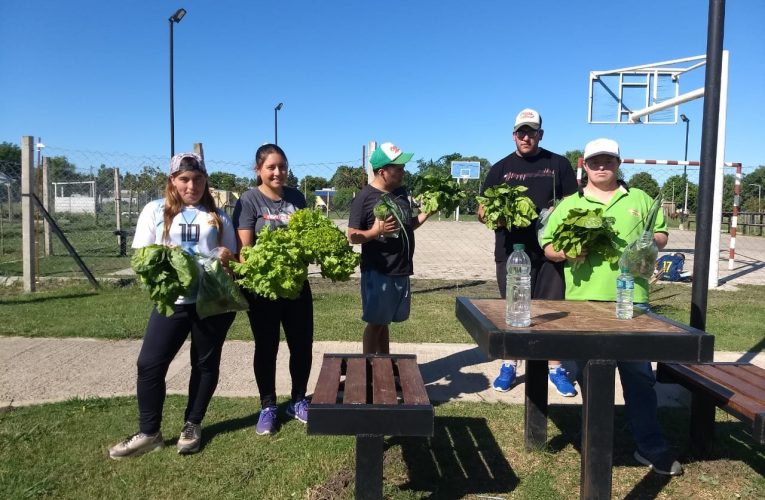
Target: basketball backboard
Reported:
point(648, 93)
point(466, 169)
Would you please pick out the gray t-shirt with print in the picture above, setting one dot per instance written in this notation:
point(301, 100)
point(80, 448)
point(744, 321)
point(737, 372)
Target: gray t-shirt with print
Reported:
point(255, 210)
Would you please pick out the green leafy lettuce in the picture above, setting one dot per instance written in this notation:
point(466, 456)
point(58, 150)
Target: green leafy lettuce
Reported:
point(277, 266)
point(167, 272)
point(508, 204)
point(588, 229)
point(438, 193)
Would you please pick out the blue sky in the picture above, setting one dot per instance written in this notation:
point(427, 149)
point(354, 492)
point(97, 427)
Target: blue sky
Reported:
point(435, 77)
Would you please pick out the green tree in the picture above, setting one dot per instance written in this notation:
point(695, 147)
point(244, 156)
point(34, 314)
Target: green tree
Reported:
point(309, 184)
point(751, 190)
point(646, 182)
point(674, 190)
point(222, 180)
point(292, 181)
point(573, 156)
point(349, 177)
point(10, 159)
point(61, 170)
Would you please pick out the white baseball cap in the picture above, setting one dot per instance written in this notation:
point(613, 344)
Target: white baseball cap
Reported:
point(529, 118)
point(601, 146)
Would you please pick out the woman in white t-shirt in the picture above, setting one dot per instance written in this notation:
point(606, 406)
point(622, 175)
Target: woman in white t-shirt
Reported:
point(185, 217)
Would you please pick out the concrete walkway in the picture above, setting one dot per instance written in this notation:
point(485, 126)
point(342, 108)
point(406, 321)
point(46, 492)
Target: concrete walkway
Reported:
point(40, 370)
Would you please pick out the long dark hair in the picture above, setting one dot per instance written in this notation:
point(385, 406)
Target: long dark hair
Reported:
point(260, 158)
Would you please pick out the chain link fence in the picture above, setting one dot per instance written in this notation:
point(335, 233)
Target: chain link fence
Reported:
point(97, 210)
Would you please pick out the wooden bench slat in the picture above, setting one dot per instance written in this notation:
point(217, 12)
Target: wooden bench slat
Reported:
point(355, 381)
point(713, 380)
point(752, 382)
point(412, 386)
point(728, 377)
point(383, 385)
point(755, 374)
point(328, 382)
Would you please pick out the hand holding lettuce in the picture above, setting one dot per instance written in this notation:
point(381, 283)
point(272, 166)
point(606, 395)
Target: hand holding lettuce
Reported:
point(217, 292)
point(167, 272)
point(586, 229)
point(639, 258)
point(508, 206)
point(277, 266)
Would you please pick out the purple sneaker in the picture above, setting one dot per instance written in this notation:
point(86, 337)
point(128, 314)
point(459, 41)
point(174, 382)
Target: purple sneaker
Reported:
point(266, 421)
point(298, 410)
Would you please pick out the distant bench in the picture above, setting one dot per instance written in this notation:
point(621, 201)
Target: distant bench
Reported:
point(737, 388)
point(370, 396)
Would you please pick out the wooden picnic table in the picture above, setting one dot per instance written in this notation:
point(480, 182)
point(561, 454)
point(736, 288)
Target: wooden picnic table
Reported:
point(577, 330)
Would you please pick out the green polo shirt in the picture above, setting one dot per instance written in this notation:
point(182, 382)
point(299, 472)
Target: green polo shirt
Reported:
point(595, 279)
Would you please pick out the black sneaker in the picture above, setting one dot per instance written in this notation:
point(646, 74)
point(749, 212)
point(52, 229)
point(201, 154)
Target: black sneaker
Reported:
point(191, 438)
point(137, 444)
point(665, 464)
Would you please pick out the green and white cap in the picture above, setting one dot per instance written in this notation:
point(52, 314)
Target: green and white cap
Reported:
point(388, 154)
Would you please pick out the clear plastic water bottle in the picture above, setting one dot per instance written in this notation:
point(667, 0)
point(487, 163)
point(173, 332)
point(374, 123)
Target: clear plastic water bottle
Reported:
point(518, 292)
point(625, 286)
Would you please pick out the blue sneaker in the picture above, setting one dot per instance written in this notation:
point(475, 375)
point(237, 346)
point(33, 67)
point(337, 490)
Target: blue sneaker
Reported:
point(559, 380)
point(266, 421)
point(505, 379)
point(298, 410)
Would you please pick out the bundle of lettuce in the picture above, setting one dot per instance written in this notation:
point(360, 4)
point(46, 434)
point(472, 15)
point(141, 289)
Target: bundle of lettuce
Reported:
point(167, 272)
point(639, 257)
point(507, 205)
point(277, 266)
point(385, 207)
point(438, 194)
point(217, 293)
point(586, 229)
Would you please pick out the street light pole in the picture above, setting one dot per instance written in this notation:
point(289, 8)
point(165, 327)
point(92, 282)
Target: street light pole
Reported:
point(276, 122)
point(175, 18)
point(685, 171)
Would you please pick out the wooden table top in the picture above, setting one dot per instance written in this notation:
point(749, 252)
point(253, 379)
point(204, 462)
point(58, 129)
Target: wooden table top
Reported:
point(581, 330)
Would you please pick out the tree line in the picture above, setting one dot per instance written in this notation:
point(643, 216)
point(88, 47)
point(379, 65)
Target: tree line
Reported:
point(348, 180)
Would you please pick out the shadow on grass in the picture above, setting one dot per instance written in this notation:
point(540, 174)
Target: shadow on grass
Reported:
point(456, 286)
point(36, 299)
point(233, 425)
point(462, 458)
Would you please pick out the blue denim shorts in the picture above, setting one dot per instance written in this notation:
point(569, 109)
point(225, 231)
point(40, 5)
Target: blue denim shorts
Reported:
point(384, 299)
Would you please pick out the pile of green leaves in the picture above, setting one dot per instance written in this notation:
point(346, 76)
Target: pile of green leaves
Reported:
point(437, 193)
point(387, 206)
point(324, 244)
point(508, 204)
point(588, 229)
point(277, 266)
point(167, 272)
point(217, 292)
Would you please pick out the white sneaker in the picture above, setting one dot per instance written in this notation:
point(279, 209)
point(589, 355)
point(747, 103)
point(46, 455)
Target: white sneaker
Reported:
point(190, 439)
point(137, 444)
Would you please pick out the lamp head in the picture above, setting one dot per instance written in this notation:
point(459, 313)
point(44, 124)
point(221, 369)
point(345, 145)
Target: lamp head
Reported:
point(684, 118)
point(279, 106)
point(176, 18)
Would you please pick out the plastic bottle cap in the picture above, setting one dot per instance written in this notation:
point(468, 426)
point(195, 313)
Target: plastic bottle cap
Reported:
point(624, 270)
point(518, 246)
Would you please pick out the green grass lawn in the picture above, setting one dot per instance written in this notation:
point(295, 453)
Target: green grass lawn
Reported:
point(120, 312)
point(59, 451)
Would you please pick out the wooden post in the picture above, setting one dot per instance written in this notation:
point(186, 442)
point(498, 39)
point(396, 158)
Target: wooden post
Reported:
point(47, 241)
point(198, 149)
point(27, 214)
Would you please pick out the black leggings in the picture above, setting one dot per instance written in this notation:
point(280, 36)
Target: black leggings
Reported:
point(162, 341)
point(296, 316)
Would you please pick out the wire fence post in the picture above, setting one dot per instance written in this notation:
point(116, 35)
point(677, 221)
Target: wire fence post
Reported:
point(27, 214)
point(47, 241)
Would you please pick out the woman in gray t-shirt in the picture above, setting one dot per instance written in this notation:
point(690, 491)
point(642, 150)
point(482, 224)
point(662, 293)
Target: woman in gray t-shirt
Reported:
point(272, 203)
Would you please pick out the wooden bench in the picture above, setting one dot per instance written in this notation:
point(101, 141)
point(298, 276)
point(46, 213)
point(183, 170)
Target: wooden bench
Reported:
point(370, 396)
point(737, 388)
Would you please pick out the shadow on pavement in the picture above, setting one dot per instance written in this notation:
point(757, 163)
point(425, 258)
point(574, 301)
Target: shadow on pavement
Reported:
point(456, 383)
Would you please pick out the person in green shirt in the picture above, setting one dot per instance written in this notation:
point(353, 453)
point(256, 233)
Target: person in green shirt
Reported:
point(595, 279)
